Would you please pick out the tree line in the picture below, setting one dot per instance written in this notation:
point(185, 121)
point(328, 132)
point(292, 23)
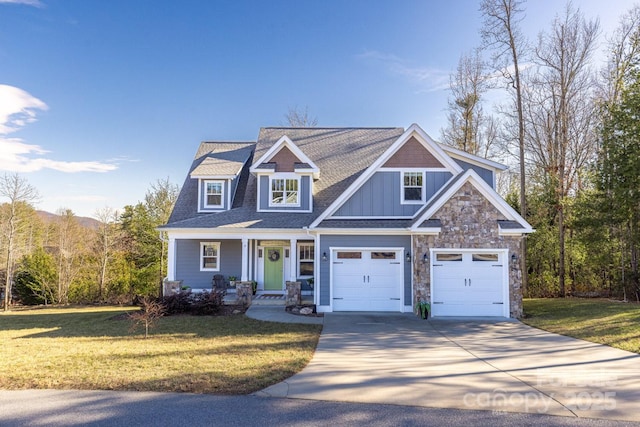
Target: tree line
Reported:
point(570, 129)
point(61, 261)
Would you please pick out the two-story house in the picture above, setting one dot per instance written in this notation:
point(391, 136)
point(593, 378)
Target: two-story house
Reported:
point(379, 218)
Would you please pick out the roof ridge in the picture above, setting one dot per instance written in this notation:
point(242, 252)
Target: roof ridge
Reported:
point(333, 127)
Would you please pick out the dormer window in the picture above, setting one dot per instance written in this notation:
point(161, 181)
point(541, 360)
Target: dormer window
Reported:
point(412, 187)
point(214, 194)
point(284, 191)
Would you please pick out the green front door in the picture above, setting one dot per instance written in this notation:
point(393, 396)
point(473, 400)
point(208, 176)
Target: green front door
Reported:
point(273, 269)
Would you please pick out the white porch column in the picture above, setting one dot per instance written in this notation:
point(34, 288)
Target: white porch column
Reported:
point(171, 259)
point(245, 259)
point(293, 260)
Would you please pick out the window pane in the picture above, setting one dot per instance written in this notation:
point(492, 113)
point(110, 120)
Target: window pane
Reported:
point(277, 197)
point(485, 257)
point(210, 250)
point(210, 263)
point(349, 255)
point(214, 200)
point(306, 269)
point(449, 257)
point(214, 188)
point(277, 185)
point(383, 255)
point(413, 193)
point(292, 198)
point(292, 185)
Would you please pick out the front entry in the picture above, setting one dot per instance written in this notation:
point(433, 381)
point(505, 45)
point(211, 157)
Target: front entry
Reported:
point(273, 269)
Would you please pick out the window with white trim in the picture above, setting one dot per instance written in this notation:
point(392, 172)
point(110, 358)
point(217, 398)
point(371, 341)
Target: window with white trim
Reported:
point(209, 256)
point(284, 191)
point(306, 259)
point(214, 194)
point(412, 187)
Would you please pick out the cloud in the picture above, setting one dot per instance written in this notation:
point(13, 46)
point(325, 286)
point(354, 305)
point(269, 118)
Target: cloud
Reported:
point(36, 3)
point(17, 109)
point(17, 156)
point(432, 79)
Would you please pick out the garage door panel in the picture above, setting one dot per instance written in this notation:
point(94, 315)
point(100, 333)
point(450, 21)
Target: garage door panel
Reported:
point(367, 280)
point(468, 283)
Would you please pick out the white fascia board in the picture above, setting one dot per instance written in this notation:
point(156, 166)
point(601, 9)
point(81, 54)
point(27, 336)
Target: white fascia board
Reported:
point(215, 177)
point(217, 233)
point(362, 231)
point(486, 190)
point(472, 158)
point(413, 130)
point(515, 232)
point(275, 148)
point(426, 230)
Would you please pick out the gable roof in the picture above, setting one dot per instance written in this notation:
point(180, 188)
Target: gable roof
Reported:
point(285, 143)
point(212, 160)
point(414, 132)
point(342, 154)
point(515, 223)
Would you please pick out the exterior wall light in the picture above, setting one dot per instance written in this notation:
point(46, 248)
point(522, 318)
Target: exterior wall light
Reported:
point(408, 256)
point(425, 257)
point(514, 259)
point(324, 256)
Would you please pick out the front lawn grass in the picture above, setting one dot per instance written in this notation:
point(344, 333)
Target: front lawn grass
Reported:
point(93, 348)
point(607, 322)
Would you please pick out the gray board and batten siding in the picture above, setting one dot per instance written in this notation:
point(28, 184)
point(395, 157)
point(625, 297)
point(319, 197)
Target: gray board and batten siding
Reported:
point(188, 262)
point(381, 195)
point(351, 241)
point(485, 174)
point(303, 195)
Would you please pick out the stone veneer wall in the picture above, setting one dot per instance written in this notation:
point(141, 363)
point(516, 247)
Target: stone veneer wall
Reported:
point(469, 220)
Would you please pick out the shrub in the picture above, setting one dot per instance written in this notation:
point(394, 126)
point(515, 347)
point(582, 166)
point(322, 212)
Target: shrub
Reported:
point(178, 303)
point(204, 303)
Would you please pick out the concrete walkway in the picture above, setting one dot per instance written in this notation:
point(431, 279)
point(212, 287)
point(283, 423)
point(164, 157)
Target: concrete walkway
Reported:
point(466, 364)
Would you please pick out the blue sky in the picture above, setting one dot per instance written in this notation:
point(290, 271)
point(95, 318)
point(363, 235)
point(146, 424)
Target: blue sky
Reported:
point(99, 99)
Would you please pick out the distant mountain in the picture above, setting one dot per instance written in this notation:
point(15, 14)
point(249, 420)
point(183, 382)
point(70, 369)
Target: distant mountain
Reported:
point(85, 221)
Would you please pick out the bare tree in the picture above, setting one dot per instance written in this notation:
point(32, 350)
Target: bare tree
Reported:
point(69, 250)
point(18, 191)
point(624, 49)
point(469, 129)
point(105, 244)
point(560, 113)
point(299, 118)
point(501, 32)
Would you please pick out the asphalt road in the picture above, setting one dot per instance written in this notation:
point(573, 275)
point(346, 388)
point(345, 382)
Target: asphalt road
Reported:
point(110, 408)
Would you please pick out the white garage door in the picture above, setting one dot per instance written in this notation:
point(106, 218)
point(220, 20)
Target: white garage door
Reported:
point(469, 284)
point(367, 280)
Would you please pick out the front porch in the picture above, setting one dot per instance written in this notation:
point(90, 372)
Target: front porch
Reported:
point(205, 261)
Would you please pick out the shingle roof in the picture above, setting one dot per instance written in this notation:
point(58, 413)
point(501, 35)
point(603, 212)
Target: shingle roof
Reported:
point(342, 154)
point(509, 225)
point(208, 155)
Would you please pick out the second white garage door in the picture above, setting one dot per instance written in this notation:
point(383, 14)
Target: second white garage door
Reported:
point(367, 280)
point(469, 283)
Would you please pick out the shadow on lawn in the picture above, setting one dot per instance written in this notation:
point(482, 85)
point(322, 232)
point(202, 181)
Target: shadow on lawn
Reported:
point(115, 324)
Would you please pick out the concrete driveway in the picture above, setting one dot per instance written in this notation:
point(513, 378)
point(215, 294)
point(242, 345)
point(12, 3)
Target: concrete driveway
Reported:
point(495, 365)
